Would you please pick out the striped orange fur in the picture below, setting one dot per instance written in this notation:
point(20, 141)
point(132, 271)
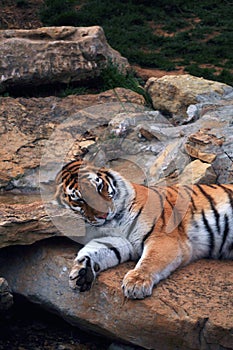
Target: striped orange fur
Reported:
point(162, 228)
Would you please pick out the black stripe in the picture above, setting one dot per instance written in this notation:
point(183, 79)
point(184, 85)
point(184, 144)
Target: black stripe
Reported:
point(72, 165)
point(193, 206)
point(176, 215)
point(161, 199)
point(191, 189)
point(229, 194)
point(134, 222)
point(211, 202)
point(211, 186)
point(173, 211)
point(132, 204)
point(225, 234)
point(211, 234)
point(195, 224)
point(117, 253)
point(138, 213)
point(178, 191)
point(112, 248)
point(111, 177)
point(147, 235)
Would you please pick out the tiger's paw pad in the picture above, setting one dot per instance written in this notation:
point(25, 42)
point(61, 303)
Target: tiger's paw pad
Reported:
point(83, 274)
point(137, 286)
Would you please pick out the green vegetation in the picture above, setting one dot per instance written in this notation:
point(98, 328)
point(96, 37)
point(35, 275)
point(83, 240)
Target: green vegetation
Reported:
point(163, 34)
point(59, 13)
point(110, 78)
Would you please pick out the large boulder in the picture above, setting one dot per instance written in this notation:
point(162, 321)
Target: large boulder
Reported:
point(173, 94)
point(192, 309)
point(50, 55)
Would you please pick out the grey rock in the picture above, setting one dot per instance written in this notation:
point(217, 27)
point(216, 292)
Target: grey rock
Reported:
point(175, 93)
point(54, 55)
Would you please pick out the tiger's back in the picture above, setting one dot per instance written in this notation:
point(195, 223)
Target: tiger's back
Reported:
point(203, 214)
point(163, 227)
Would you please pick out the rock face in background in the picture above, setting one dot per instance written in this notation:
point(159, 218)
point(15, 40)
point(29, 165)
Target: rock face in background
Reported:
point(156, 144)
point(197, 152)
point(53, 55)
point(27, 124)
point(174, 94)
point(192, 309)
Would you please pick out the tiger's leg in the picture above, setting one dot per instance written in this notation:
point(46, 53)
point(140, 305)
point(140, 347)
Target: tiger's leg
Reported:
point(97, 255)
point(160, 257)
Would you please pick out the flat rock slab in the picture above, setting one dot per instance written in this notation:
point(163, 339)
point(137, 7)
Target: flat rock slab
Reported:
point(193, 309)
point(24, 223)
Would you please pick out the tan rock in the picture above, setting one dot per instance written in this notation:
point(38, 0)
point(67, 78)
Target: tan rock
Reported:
point(27, 124)
point(195, 153)
point(205, 137)
point(24, 224)
point(169, 164)
point(196, 172)
point(53, 54)
point(192, 309)
point(174, 93)
point(204, 145)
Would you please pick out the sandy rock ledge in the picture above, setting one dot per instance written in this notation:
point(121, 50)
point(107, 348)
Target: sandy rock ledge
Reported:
point(193, 309)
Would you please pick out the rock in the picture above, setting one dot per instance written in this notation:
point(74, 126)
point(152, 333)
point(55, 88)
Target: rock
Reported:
point(197, 172)
point(170, 163)
point(198, 144)
point(24, 224)
point(175, 93)
point(165, 149)
point(195, 153)
point(192, 309)
point(6, 298)
point(49, 55)
point(23, 139)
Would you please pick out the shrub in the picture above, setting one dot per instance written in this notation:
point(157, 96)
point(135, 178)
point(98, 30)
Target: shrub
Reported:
point(59, 12)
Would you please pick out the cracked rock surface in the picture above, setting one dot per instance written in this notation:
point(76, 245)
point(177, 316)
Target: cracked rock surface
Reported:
point(189, 310)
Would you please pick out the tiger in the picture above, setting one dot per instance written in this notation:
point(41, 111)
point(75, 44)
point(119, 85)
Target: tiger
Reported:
point(160, 228)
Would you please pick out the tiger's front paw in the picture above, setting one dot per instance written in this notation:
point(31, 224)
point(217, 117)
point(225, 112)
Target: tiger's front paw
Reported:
point(83, 274)
point(137, 286)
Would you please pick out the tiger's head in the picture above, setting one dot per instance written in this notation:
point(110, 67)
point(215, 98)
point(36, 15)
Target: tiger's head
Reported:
point(87, 190)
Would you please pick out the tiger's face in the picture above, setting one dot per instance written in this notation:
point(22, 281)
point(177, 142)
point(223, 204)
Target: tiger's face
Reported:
point(88, 191)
